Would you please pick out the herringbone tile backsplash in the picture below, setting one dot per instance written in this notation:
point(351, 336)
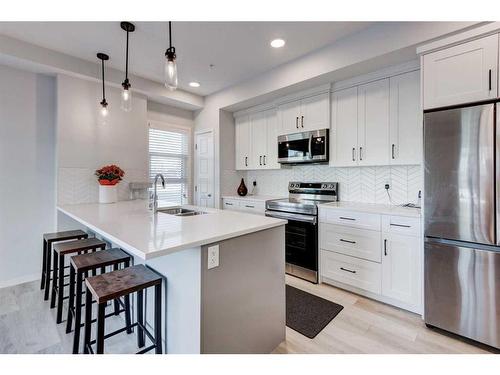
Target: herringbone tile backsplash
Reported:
point(357, 184)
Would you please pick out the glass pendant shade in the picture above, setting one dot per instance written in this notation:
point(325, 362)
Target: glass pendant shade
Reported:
point(170, 73)
point(126, 101)
point(103, 115)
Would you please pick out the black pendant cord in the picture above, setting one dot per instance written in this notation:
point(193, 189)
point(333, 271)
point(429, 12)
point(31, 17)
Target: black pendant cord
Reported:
point(103, 57)
point(129, 28)
point(126, 60)
point(170, 53)
point(103, 88)
point(170, 33)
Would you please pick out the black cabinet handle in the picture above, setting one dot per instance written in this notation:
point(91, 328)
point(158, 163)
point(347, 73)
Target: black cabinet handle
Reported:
point(392, 151)
point(489, 79)
point(297, 122)
point(360, 153)
point(385, 247)
point(260, 159)
point(247, 205)
point(347, 218)
point(302, 120)
point(345, 269)
point(264, 158)
point(246, 161)
point(401, 225)
point(347, 241)
point(353, 151)
point(229, 204)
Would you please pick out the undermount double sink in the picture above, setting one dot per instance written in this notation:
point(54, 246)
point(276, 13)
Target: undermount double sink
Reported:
point(179, 211)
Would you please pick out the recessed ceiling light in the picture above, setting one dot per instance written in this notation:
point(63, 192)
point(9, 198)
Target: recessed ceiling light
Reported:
point(194, 84)
point(277, 43)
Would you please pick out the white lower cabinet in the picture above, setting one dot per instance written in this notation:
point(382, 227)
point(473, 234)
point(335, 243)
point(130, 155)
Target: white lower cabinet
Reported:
point(244, 205)
point(376, 255)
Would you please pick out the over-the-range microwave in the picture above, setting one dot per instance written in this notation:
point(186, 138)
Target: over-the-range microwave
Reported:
point(305, 147)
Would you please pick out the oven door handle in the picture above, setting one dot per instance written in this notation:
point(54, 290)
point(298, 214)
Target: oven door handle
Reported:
point(292, 216)
point(310, 146)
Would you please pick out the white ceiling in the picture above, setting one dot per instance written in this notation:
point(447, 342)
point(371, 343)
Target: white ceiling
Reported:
point(238, 50)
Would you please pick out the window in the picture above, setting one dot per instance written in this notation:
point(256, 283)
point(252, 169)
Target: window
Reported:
point(169, 155)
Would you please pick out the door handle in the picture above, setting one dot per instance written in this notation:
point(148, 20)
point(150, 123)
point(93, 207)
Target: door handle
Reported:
point(353, 242)
point(385, 247)
point(302, 120)
point(392, 150)
point(260, 159)
point(297, 122)
point(489, 80)
point(353, 151)
point(347, 270)
point(209, 195)
point(360, 153)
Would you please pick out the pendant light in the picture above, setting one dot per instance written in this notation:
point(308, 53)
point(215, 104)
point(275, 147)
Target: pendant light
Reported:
point(126, 101)
point(103, 108)
point(170, 63)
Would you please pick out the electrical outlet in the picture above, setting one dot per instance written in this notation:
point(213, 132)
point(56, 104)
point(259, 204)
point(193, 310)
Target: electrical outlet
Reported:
point(213, 257)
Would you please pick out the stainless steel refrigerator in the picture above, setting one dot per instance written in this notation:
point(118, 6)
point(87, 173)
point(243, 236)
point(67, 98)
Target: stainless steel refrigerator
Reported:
point(462, 221)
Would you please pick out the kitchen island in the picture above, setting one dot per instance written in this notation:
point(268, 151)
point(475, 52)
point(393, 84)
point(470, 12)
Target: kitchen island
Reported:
point(237, 306)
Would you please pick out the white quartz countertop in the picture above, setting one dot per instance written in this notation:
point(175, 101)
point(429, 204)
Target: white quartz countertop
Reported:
point(133, 227)
point(384, 209)
point(258, 198)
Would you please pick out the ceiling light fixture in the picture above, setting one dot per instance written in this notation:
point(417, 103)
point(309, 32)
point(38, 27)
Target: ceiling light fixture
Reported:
point(170, 63)
point(277, 43)
point(126, 102)
point(103, 110)
point(194, 84)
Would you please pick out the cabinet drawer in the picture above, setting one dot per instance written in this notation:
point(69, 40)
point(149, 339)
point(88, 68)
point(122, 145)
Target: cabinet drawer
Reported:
point(408, 226)
point(359, 273)
point(354, 219)
point(359, 243)
point(229, 204)
point(252, 206)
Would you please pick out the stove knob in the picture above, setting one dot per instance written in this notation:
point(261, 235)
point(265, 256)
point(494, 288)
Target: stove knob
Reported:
point(330, 186)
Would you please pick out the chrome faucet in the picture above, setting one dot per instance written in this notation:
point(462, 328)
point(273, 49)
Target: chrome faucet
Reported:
point(153, 203)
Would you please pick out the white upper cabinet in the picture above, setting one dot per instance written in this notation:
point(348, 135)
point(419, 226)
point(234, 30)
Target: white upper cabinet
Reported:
point(258, 144)
point(344, 131)
point(271, 156)
point(405, 119)
point(309, 113)
point(243, 139)
point(461, 74)
point(373, 123)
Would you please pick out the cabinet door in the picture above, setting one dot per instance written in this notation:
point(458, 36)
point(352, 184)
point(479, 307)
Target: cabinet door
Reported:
point(401, 269)
point(288, 117)
point(405, 119)
point(344, 131)
point(242, 135)
point(315, 112)
point(461, 74)
point(271, 156)
point(258, 144)
point(373, 123)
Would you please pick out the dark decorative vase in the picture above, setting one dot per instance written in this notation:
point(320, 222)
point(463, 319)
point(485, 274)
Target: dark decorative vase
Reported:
point(242, 189)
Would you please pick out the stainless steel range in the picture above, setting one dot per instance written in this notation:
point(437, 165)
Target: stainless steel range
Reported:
point(301, 233)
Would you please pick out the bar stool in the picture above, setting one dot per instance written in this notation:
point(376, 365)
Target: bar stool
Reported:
point(60, 251)
point(108, 286)
point(48, 240)
point(82, 264)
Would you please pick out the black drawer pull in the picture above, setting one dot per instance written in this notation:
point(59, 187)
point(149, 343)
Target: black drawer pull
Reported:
point(229, 204)
point(345, 269)
point(401, 225)
point(347, 218)
point(347, 241)
point(249, 206)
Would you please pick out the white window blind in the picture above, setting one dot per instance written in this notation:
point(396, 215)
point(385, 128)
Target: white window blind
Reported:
point(169, 155)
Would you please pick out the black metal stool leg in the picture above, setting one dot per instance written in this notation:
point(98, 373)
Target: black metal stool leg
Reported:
point(88, 320)
point(115, 301)
point(100, 328)
point(128, 321)
point(44, 265)
point(71, 303)
point(158, 343)
point(140, 319)
point(78, 312)
point(47, 271)
point(54, 281)
point(60, 289)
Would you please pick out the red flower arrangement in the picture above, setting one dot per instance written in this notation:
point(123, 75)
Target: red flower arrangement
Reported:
point(109, 175)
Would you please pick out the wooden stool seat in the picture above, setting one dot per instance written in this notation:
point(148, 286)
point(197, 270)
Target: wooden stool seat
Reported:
point(64, 248)
point(122, 282)
point(88, 262)
point(48, 240)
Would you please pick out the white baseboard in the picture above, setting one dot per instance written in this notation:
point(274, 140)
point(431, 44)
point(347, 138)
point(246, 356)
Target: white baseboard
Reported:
point(19, 280)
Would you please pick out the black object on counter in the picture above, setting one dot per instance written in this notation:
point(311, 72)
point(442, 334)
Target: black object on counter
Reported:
point(242, 189)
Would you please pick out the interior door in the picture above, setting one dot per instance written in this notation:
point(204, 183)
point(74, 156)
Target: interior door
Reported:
point(459, 174)
point(405, 119)
point(344, 137)
point(373, 123)
point(204, 178)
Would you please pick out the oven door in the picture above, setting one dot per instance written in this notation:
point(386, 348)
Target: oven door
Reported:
point(307, 147)
point(301, 244)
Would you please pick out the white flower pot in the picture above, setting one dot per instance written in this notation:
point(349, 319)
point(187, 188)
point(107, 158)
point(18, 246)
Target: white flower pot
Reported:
point(108, 193)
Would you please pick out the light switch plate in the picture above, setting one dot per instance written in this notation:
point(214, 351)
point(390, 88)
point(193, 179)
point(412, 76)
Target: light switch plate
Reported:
point(213, 257)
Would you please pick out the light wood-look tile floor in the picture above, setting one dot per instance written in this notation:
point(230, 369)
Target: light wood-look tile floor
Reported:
point(368, 326)
point(28, 325)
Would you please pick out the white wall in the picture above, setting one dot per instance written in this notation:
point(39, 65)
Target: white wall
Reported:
point(27, 172)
